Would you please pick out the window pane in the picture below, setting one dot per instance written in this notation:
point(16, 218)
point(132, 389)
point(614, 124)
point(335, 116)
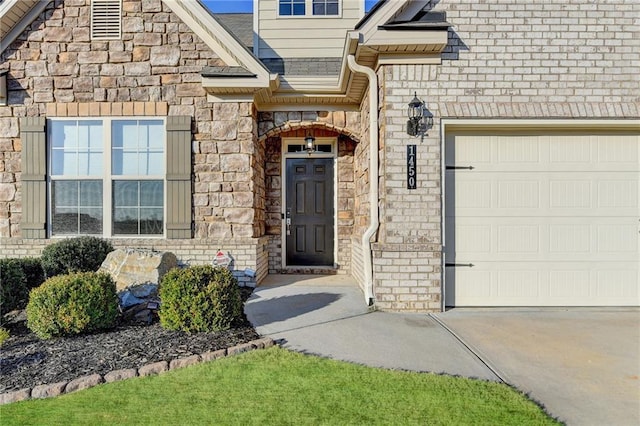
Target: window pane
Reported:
point(155, 129)
point(125, 221)
point(65, 193)
point(298, 9)
point(285, 9)
point(151, 221)
point(77, 207)
point(76, 148)
point(151, 193)
point(91, 221)
point(332, 8)
point(133, 145)
point(318, 9)
point(91, 193)
point(138, 207)
point(125, 134)
point(64, 221)
point(125, 193)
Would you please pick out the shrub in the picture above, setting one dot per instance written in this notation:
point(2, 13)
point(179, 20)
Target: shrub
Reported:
point(72, 304)
point(13, 286)
point(4, 335)
point(82, 254)
point(32, 268)
point(199, 298)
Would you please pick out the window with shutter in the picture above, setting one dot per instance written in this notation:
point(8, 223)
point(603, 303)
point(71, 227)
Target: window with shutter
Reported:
point(106, 19)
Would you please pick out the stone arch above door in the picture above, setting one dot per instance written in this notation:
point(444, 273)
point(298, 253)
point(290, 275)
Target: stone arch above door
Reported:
point(347, 123)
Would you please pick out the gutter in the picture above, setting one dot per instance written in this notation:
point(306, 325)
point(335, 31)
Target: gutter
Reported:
point(373, 177)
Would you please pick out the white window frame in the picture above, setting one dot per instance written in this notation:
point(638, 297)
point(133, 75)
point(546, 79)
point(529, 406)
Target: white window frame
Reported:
point(107, 178)
point(308, 12)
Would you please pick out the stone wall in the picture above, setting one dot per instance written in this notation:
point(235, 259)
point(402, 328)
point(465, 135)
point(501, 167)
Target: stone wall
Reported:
point(574, 59)
point(56, 70)
point(345, 195)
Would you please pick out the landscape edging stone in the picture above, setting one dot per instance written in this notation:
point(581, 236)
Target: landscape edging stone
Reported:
point(85, 382)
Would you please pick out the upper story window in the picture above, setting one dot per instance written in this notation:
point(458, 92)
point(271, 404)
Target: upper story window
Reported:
point(325, 7)
point(107, 176)
point(292, 8)
point(106, 19)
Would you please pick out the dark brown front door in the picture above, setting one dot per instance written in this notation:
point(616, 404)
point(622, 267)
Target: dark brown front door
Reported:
point(309, 212)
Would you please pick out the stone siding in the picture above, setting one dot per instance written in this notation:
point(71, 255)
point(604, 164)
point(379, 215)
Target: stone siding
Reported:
point(56, 70)
point(572, 59)
point(345, 195)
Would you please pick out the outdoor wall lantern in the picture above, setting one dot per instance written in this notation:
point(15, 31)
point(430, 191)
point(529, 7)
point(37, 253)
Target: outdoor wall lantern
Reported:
point(310, 143)
point(3, 88)
point(418, 122)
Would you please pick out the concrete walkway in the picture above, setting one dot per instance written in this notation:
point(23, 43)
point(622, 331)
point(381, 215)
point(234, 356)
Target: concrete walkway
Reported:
point(583, 365)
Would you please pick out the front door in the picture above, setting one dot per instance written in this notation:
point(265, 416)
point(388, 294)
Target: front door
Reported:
point(309, 212)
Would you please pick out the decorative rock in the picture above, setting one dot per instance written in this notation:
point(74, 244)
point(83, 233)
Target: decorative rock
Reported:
point(144, 291)
point(15, 396)
point(118, 375)
point(83, 382)
point(245, 347)
point(132, 267)
point(184, 362)
point(263, 343)
point(48, 391)
point(210, 356)
point(153, 368)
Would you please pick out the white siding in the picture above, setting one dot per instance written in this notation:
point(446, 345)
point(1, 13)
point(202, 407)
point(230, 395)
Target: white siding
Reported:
point(302, 36)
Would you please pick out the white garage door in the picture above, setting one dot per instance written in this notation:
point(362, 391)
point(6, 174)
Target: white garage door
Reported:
point(549, 220)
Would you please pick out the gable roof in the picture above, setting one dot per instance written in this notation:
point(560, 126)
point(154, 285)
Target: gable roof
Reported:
point(240, 24)
point(398, 31)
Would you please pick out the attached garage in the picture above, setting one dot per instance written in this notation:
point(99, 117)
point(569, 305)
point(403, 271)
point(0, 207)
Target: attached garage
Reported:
point(542, 217)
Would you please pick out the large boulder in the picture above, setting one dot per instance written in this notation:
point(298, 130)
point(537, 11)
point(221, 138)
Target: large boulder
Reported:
point(133, 267)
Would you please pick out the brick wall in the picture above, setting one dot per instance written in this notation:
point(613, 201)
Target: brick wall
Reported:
point(246, 253)
point(505, 59)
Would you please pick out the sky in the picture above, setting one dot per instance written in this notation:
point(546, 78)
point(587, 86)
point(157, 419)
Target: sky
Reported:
point(228, 6)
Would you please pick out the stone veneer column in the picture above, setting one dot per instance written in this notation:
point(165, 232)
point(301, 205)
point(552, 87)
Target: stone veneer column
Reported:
point(229, 176)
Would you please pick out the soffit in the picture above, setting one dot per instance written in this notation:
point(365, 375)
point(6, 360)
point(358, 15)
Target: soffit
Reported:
point(15, 15)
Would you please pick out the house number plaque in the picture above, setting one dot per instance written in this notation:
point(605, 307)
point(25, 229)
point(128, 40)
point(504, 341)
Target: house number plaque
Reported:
point(411, 167)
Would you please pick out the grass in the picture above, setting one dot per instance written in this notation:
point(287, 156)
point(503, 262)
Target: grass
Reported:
point(279, 387)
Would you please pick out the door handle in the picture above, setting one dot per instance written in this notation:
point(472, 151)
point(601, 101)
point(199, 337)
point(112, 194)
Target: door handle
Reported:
point(288, 222)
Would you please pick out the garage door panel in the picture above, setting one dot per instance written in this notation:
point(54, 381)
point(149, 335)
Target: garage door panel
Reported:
point(543, 284)
point(547, 220)
point(546, 153)
point(543, 239)
point(574, 194)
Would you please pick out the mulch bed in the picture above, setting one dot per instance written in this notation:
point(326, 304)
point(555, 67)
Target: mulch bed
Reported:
point(27, 361)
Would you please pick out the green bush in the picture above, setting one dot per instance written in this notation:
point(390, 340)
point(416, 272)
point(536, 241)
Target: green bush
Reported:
point(199, 298)
point(72, 304)
point(32, 268)
point(13, 286)
point(81, 254)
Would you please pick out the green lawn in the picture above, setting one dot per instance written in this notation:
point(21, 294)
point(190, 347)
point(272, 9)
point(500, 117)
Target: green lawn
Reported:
point(278, 387)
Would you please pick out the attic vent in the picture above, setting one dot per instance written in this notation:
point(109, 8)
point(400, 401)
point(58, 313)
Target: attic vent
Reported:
point(106, 19)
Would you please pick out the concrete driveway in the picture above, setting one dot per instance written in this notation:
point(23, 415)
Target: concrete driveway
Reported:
point(583, 365)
